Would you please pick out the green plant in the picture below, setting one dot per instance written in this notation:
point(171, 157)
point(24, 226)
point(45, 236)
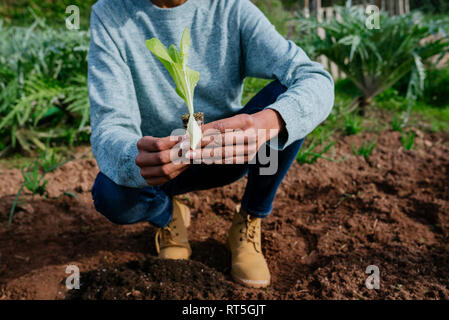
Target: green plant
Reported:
point(314, 150)
point(425, 116)
point(433, 6)
point(436, 87)
point(185, 78)
point(396, 123)
point(365, 149)
point(352, 125)
point(346, 87)
point(434, 119)
point(408, 140)
point(251, 87)
point(43, 92)
point(274, 10)
point(375, 59)
point(23, 12)
point(34, 176)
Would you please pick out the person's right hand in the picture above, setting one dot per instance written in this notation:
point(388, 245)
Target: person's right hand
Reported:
point(155, 159)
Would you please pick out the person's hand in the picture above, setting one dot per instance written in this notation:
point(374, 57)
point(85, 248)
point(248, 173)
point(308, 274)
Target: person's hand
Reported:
point(156, 159)
point(237, 139)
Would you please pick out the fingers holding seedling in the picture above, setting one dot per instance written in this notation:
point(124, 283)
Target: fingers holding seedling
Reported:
point(227, 146)
point(162, 159)
point(152, 144)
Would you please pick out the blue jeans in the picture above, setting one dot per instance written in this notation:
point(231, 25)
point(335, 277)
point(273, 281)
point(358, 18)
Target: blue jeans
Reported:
point(124, 205)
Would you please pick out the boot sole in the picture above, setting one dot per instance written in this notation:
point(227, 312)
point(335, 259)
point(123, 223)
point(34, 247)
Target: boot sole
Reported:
point(251, 283)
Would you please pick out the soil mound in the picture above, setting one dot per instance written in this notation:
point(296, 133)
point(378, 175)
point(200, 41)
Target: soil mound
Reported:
point(153, 278)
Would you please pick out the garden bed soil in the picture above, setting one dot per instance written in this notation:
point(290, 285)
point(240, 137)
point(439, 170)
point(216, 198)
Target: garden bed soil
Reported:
point(331, 220)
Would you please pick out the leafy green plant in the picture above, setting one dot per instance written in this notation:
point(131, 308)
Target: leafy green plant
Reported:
point(43, 91)
point(352, 125)
point(408, 140)
point(365, 149)
point(185, 78)
point(34, 176)
point(375, 59)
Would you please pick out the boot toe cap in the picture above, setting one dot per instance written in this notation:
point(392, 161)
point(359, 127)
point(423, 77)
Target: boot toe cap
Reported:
point(175, 253)
point(252, 274)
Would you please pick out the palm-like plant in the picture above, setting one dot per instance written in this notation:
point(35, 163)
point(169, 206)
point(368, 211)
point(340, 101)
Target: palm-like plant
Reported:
point(375, 59)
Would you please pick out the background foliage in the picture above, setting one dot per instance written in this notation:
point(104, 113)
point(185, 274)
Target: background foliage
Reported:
point(430, 6)
point(23, 12)
point(376, 59)
point(43, 95)
point(43, 92)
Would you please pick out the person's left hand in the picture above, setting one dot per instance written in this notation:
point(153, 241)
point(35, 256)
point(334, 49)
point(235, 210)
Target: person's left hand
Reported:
point(236, 140)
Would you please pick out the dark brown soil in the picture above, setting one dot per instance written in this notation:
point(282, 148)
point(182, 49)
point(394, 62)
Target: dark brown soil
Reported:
point(330, 222)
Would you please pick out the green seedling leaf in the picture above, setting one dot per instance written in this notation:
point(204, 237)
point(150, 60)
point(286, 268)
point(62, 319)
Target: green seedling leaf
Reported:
point(185, 46)
point(185, 78)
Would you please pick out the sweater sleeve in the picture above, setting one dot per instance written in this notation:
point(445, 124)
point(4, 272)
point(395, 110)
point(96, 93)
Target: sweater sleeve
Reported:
point(310, 94)
point(115, 115)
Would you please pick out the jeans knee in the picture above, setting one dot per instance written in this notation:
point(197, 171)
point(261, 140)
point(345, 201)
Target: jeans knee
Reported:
point(110, 202)
point(115, 217)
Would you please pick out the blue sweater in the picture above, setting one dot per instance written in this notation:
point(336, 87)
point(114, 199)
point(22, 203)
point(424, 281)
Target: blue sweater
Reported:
point(132, 95)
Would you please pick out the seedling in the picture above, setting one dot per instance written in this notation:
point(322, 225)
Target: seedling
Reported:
point(396, 124)
point(34, 177)
point(310, 154)
point(365, 149)
point(408, 140)
point(352, 125)
point(185, 78)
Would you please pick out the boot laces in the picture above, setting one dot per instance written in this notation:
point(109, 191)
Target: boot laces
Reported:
point(168, 236)
point(163, 235)
point(250, 231)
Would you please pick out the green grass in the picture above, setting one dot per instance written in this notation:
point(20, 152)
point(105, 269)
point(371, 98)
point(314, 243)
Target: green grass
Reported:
point(424, 116)
point(365, 149)
point(352, 125)
point(59, 114)
point(251, 87)
point(276, 13)
point(23, 12)
point(408, 140)
point(396, 123)
point(314, 150)
point(431, 118)
point(43, 91)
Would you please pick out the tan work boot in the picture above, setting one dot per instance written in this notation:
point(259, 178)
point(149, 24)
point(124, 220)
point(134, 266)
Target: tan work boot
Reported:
point(248, 263)
point(172, 241)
